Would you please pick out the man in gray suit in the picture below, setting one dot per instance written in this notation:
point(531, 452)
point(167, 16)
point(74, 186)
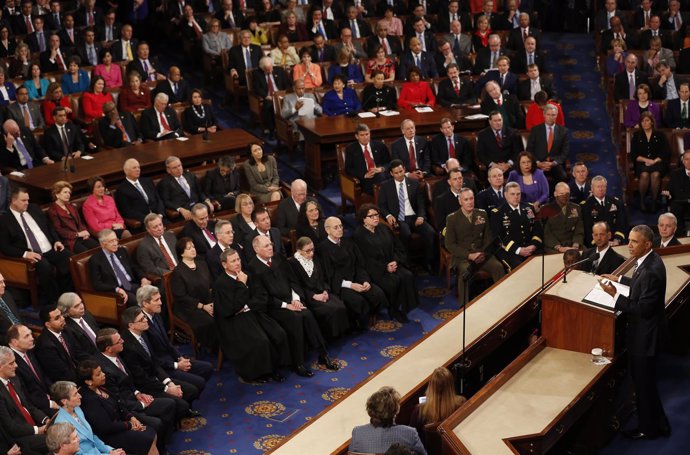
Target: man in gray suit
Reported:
point(156, 252)
point(292, 103)
point(18, 111)
point(355, 48)
point(460, 42)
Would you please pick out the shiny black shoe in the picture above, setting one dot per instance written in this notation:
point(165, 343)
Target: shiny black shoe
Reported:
point(328, 363)
point(277, 377)
point(301, 370)
point(637, 434)
point(193, 413)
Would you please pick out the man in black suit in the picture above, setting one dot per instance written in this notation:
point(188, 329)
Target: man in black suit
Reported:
point(156, 253)
point(9, 313)
point(667, 224)
point(529, 55)
point(491, 197)
point(79, 323)
point(159, 122)
point(488, 11)
point(655, 30)
point(320, 51)
point(178, 367)
point(487, 57)
point(622, 88)
point(288, 209)
point(679, 192)
point(447, 199)
point(118, 129)
point(416, 57)
point(88, 15)
point(607, 260)
point(399, 192)
point(498, 145)
point(412, 151)
point(226, 239)
point(36, 383)
point(360, 28)
point(200, 229)
point(26, 233)
point(180, 190)
point(145, 372)
point(54, 58)
point(674, 19)
point(318, 25)
point(111, 269)
point(26, 426)
point(262, 220)
point(602, 207)
point(222, 183)
point(69, 35)
point(549, 144)
point(580, 188)
point(448, 55)
point(136, 196)
point(174, 86)
point(53, 20)
point(269, 273)
point(366, 160)
point(677, 112)
point(426, 37)
point(38, 40)
point(647, 330)
point(642, 15)
point(266, 81)
point(192, 28)
point(23, 22)
point(391, 44)
point(446, 18)
point(667, 85)
point(63, 139)
point(244, 56)
point(21, 150)
point(124, 48)
point(506, 79)
point(147, 67)
point(108, 30)
point(455, 90)
point(56, 348)
point(517, 38)
point(89, 50)
point(506, 104)
point(229, 17)
point(530, 87)
point(602, 20)
point(446, 145)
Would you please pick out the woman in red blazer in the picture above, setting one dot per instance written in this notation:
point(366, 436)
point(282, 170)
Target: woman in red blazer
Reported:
point(416, 92)
point(54, 98)
point(67, 222)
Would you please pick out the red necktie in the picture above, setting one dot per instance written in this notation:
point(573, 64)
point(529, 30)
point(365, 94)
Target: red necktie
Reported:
point(369, 159)
point(499, 139)
point(197, 29)
point(384, 45)
point(121, 127)
point(64, 345)
point(28, 362)
point(91, 21)
point(60, 62)
point(413, 158)
point(549, 140)
point(271, 87)
point(269, 263)
point(164, 122)
point(29, 27)
point(456, 87)
point(499, 102)
point(168, 260)
point(451, 148)
point(22, 409)
point(120, 365)
point(209, 235)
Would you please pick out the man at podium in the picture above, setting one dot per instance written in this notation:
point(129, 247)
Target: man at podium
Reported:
point(646, 329)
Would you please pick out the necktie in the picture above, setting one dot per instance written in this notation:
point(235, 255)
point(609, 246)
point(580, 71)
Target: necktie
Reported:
point(247, 59)
point(120, 365)
point(355, 29)
point(210, 236)
point(499, 139)
point(646, 18)
point(164, 122)
point(92, 56)
point(413, 158)
point(87, 330)
point(456, 46)
point(168, 260)
point(27, 157)
point(33, 242)
point(197, 29)
point(120, 274)
point(418, 62)
point(494, 57)
point(456, 87)
point(595, 264)
point(143, 345)
point(549, 139)
point(369, 159)
point(530, 59)
point(269, 263)
point(149, 75)
point(401, 202)
point(31, 365)
point(271, 86)
point(500, 194)
point(676, 22)
point(631, 86)
point(29, 27)
point(451, 148)
point(56, 18)
point(27, 116)
point(91, 21)
point(322, 31)
point(41, 42)
point(635, 268)
point(64, 344)
point(137, 185)
point(60, 62)
point(185, 185)
point(125, 136)
point(8, 313)
point(499, 101)
point(22, 409)
point(684, 111)
point(108, 33)
point(65, 142)
point(385, 46)
point(524, 34)
point(321, 55)
point(503, 80)
point(130, 57)
point(420, 36)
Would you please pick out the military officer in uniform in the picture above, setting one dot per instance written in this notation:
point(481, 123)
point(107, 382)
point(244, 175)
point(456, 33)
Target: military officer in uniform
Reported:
point(600, 207)
point(468, 235)
point(517, 227)
point(564, 228)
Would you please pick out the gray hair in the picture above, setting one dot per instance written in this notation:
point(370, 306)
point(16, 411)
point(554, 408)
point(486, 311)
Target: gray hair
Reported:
point(58, 434)
point(549, 107)
point(670, 216)
point(199, 206)
point(362, 128)
point(61, 390)
point(161, 98)
point(220, 224)
point(645, 231)
point(151, 217)
point(170, 160)
point(599, 178)
point(146, 293)
point(66, 301)
point(511, 185)
point(105, 233)
point(5, 354)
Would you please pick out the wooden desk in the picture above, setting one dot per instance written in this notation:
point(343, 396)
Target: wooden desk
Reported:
point(151, 157)
point(341, 129)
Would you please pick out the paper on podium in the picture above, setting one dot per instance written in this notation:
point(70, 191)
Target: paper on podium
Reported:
point(388, 113)
point(476, 117)
point(598, 297)
point(366, 115)
point(307, 106)
point(423, 109)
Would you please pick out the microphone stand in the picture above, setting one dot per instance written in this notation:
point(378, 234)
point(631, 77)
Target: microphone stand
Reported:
point(572, 266)
point(205, 136)
point(378, 107)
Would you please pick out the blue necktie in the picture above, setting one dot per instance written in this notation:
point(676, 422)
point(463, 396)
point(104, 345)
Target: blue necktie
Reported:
point(8, 313)
point(401, 201)
point(120, 273)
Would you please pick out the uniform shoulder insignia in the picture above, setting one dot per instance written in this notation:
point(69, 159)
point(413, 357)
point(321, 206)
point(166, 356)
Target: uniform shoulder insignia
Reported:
point(583, 202)
point(494, 210)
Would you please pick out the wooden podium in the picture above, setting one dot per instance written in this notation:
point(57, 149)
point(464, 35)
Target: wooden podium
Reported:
point(569, 323)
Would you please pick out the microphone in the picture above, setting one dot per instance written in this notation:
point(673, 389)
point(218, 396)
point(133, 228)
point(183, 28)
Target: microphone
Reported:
point(205, 135)
point(592, 258)
point(374, 96)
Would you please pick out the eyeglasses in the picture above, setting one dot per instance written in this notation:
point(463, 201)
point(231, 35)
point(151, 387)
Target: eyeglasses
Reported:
point(337, 226)
point(308, 250)
point(141, 319)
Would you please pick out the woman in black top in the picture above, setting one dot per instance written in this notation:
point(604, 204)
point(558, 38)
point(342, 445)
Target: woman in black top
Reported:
point(378, 96)
point(649, 153)
point(198, 117)
point(310, 222)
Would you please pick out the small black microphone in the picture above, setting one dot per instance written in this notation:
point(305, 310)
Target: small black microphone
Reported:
point(592, 258)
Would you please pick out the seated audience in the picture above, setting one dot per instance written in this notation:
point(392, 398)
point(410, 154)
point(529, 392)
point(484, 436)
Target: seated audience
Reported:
point(56, 348)
point(380, 62)
point(322, 52)
point(100, 211)
point(607, 259)
point(448, 145)
point(66, 220)
point(306, 71)
point(111, 73)
point(481, 35)
point(381, 432)
point(284, 54)
point(238, 57)
point(156, 252)
point(88, 49)
point(564, 228)
point(76, 79)
point(226, 239)
point(64, 140)
point(550, 145)
point(492, 196)
point(601, 207)
point(580, 188)
point(366, 160)
point(243, 224)
point(650, 153)
point(310, 221)
point(137, 197)
point(8, 45)
point(498, 145)
point(416, 92)
point(532, 181)
point(216, 41)
point(25, 112)
point(94, 99)
point(667, 224)
point(643, 104)
point(259, 35)
point(177, 89)
point(412, 150)
point(222, 183)
point(159, 122)
point(265, 81)
point(455, 90)
point(379, 96)
point(21, 151)
point(528, 88)
point(292, 104)
point(36, 85)
point(347, 66)
point(54, 98)
point(615, 61)
point(677, 112)
point(447, 200)
point(198, 118)
point(354, 47)
point(535, 111)
point(289, 208)
point(506, 79)
point(134, 96)
point(200, 229)
point(262, 174)
point(261, 220)
point(679, 192)
point(7, 89)
point(342, 100)
point(79, 323)
point(507, 105)
point(118, 129)
point(293, 29)
point(20, 64)
point(391, 24)
point(142, 64)
point(179, 190)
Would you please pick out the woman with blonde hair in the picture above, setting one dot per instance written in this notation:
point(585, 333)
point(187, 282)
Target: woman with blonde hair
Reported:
point(66, 220)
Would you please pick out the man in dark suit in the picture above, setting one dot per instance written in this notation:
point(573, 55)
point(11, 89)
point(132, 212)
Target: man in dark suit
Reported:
point(288, 209)
point(550, 145)
point(603, 17)
point(674, 19)
point(622, 89)
point(412, 151)
point(506, 79)
point(415, 56)
point(580, 188)
point(517, 38)
point(455, 90)
point(4, 194)
point(21, 150)
point(156, 253)
point(318, 25)
point(180, 190)
point(360, 28)
point(9, 313)
point(178, 367)
point(643, 14)
point(79, 323)
point(88, 15)
point(269, 273)
point(38, 40)
point(159, 122)
point(366, 160)
point(607, 260)
point(124, 48)
point(89, 50)
point(491, 197)
point(136, 196)
point(528, 88)
point(399, 192)
point(426, 37)
point(118, 129)
point(320, 51)
point(53, 20)
point(111, 269)
point(145, 371)
point(679, 192)
point(26, 233)
point(23, 22)
point(174, 86)
point(108, 30)
point(266, 81)
point(262, 220)
point(487, 57)
point(200, 229)
point(192, 28)
point(507, 105)
point(56, 349)
point(18, 111)
point(667, 224)
point(446, 18)
point(69, 35)
point(602, 207)
point(448, 201)
point(229, 17)
point(489, 11)
point(25, 425)
point(147, 67)
point(36, 383)
point(529, 55)
point(677, 113)
point(667, 85)
point(222, 183)
point(447, 144)
point(647, 330)
point(655, 30)
point(244, 56)
point(391, 44)
point(54, 58)
point(498, 145)
point(63, 139)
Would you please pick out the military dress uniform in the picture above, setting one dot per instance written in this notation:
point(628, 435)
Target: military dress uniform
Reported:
point(515, 230)
point(465, 235)
point(564, 226)
point(612, 211)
